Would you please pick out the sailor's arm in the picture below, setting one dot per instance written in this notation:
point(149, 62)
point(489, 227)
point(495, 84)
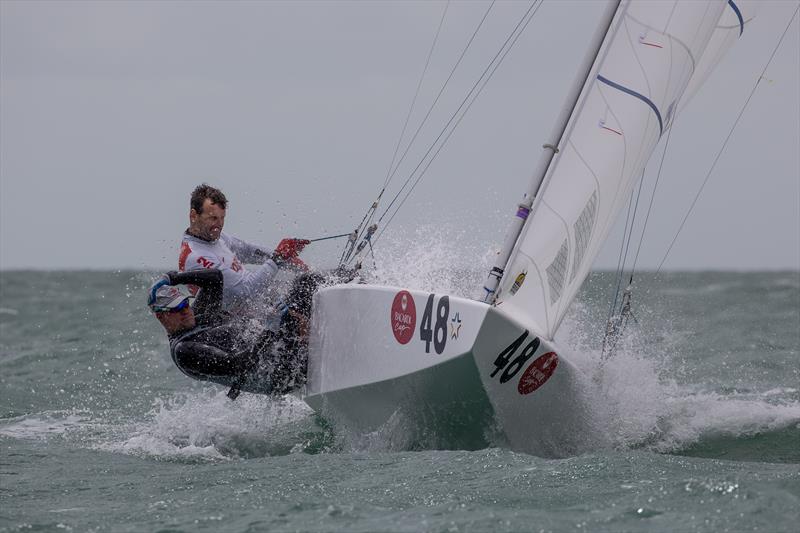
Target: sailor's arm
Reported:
point(207, 278)
point(211, 283)
point(286, 251)
point(245, 251)
point(255, 281)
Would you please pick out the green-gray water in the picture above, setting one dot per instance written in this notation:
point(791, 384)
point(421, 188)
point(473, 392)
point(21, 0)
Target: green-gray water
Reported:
point(100, 432)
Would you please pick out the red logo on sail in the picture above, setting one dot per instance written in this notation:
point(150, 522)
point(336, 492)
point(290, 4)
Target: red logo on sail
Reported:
point(404, 317)
point(537, 373)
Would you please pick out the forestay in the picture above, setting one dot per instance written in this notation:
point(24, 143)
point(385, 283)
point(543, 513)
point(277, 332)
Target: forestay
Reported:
point(628, 102)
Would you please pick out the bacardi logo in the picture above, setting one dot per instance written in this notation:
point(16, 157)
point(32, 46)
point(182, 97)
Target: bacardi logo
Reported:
point(403, 317)
point(538, 373)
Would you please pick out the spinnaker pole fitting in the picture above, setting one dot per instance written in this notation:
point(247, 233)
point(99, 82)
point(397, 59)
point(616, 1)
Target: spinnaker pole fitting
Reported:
point(348, 248)
point(366, 239)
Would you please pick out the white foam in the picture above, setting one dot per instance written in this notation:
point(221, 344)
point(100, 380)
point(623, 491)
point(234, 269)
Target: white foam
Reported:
point(208, 425)
point(780, 391)
point(155, 446)
point(639, 402)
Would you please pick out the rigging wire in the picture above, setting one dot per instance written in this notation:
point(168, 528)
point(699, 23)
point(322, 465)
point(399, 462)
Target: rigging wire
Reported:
point(441, 91)
point(367, 218)
point(616, 322)
point(470, 93)
point(391, 173)
point(652, 198)
point(646, 220)
point(329, 237)
point(461, 111)
point(627, 235)
point(414, 100)
point(725, 144)
point(613, 329)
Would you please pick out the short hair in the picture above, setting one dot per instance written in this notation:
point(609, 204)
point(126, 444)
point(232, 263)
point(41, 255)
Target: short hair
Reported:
point(203, 191)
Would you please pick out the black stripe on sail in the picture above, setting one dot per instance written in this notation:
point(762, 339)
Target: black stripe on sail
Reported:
point(641, 97)
point(738, 14)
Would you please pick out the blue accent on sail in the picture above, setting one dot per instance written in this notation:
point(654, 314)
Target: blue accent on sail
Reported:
point(738, 14)
point(641, 97)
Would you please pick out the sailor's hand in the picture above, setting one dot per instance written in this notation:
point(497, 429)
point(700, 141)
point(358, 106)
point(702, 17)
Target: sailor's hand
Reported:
point(289, 248)
point(287, 251)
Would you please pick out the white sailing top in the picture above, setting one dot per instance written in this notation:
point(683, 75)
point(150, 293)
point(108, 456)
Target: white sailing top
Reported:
point(227, 254)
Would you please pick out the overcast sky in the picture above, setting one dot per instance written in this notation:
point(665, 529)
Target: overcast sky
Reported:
point(111, 112)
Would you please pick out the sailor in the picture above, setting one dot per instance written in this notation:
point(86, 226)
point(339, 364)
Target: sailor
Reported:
point(211, 344)
point(205, 246)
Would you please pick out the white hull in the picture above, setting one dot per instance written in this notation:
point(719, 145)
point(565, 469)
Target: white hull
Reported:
point(379, 361)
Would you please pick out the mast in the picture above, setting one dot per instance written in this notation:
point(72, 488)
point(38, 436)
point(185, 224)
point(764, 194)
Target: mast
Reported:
point(550, 149)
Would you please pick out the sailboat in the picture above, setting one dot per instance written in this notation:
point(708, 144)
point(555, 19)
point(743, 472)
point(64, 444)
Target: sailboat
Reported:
point(451, 372)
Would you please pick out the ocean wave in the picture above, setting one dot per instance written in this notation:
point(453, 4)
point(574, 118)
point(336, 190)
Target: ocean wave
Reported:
point(42, 425)
point(778, 445)
point(710, 288)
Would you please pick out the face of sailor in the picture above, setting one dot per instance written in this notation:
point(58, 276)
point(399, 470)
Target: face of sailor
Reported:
point(177, 321)
point(207, 224)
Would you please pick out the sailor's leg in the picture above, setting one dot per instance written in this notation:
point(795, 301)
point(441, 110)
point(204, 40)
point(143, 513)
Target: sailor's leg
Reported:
point(282, 362)
point(302, 292)
point(209, 363)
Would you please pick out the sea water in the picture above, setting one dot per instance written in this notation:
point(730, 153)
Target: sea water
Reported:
point(699, 424)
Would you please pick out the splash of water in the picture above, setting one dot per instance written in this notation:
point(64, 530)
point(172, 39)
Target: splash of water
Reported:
point(432, 258)
point(642, 399)
point(206, 425)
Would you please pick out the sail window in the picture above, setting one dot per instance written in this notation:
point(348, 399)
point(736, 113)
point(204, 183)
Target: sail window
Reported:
point(557, 273)
point(583, 231)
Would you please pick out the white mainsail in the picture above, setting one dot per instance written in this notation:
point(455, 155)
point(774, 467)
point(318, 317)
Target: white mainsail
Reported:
point(645, 64)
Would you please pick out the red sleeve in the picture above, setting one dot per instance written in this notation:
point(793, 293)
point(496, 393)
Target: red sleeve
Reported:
point(185, 251)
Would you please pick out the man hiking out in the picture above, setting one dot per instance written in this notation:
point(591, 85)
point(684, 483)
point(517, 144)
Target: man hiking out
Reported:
point(209, 343)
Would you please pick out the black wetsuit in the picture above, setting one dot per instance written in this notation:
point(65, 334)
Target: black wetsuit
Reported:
point(241, 353)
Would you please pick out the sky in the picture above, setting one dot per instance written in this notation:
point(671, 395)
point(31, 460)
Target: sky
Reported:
point(111, 113)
